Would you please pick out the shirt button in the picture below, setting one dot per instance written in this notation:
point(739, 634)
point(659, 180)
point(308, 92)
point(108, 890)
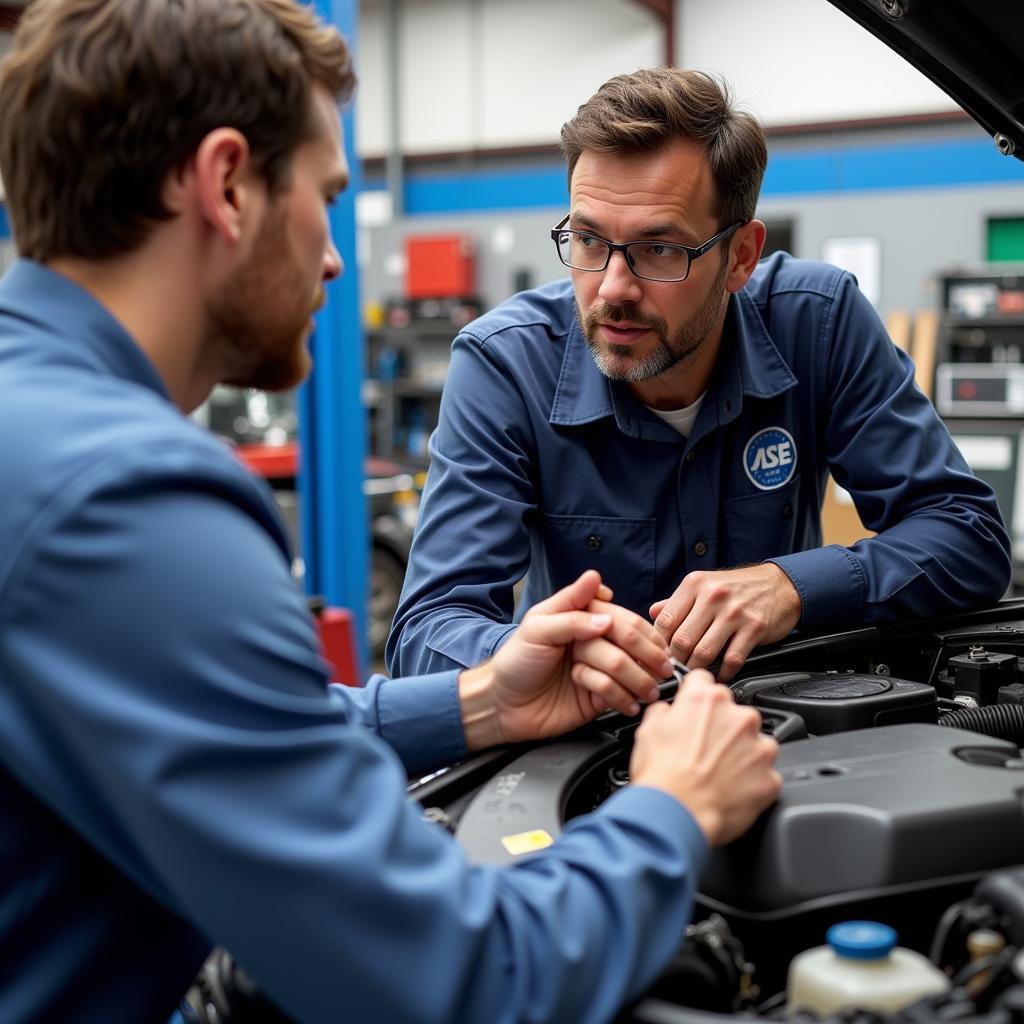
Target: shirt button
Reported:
point(594, 542)
point(787, 510)
point(700, 549)
point(689, 456)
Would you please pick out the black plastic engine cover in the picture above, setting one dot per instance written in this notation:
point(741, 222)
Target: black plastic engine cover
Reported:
point(862, 813)
point(829, 702)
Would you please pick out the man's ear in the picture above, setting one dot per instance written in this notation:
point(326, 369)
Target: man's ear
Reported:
point(218, 181)
point(744, 252)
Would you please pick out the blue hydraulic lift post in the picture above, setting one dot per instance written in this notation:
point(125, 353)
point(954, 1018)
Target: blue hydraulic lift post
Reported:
point(332, 423)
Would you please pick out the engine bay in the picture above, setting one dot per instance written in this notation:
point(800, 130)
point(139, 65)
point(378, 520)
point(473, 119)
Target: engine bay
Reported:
point(901, 803)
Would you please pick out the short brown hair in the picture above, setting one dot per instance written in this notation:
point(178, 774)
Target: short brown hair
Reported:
point(101, 99)
point(641, 112)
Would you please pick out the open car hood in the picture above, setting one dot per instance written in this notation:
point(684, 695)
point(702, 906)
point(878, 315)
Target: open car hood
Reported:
point(971, 49)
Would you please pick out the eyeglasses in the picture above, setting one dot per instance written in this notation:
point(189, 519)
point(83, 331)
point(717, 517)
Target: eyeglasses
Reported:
point(650, 259)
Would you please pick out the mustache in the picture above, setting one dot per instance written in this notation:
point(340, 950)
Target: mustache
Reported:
point(628, 311)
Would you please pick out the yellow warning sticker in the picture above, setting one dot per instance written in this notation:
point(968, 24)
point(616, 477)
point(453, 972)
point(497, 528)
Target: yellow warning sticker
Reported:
point(527, 842)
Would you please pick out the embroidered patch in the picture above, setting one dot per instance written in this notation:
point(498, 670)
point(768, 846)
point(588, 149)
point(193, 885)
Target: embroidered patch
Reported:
point(770, 458)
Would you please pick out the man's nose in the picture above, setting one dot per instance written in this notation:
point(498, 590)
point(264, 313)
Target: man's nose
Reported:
point(333, 265)
point(618, 283)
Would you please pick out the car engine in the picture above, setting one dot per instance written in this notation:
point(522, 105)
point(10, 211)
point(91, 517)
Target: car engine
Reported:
point(901, 803)
point(900, 751)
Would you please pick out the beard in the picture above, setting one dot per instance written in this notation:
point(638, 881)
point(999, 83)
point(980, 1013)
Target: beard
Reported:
point(618, 362)
point(258, 325)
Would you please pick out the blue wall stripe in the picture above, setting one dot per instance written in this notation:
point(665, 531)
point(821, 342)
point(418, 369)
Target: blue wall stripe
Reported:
point(844, 169)
point(508, 190)
point(5, 224)
point(922, 165)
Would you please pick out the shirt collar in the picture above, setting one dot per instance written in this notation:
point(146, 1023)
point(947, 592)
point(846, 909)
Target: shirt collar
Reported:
point(761, 370)
point(582, 394)
point(749, 364)
point(34, 293)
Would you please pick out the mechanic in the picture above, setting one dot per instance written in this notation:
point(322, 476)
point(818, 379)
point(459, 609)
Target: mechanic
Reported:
point(670, 415)
point(174, 770)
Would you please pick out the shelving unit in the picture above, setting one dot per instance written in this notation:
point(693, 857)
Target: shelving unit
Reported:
point(980, 343)
point(979, 382)
point(402, 392)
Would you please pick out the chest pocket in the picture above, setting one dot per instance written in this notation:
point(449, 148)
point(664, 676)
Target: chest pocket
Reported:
point(622, 551)
point(760, 526)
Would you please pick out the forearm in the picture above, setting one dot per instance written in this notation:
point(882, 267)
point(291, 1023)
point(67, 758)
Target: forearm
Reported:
point(606, 907)
point(420, 717)
point(930, 564)
point(438, 639)
point(940, 543)
point(961, 553)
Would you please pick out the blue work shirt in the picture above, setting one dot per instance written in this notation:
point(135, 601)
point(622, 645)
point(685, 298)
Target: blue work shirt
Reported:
point(540, 463)
point(174, 771)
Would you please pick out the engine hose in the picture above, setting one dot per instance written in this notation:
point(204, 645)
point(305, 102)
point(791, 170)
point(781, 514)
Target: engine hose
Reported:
point(1001, 721)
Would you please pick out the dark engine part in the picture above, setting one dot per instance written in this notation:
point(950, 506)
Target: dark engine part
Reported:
point(890, 824)
point(895, 824)
point(861, 814)
point(782, 725)
point(1002, 893)
point(831, 703)
point(1003, 721)
point(710, 971)
point(224, 994)
point(980, 673)
point(867, 812)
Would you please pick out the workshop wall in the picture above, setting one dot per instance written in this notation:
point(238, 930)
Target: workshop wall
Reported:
point(491, 73)
point(801, 61)
point(479, 75)
point(488, 73)
point(919, 231)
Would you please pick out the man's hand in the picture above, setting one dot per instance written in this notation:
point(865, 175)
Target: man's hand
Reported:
point(730, 610)
point(710, 755)
point(622, 665)
point(527, 690)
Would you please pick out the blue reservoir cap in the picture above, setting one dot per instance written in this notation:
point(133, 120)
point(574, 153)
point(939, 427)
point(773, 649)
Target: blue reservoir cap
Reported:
point(861, 940)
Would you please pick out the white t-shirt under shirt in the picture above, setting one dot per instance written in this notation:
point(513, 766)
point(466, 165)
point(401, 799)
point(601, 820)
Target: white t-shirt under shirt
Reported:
point(680, 419)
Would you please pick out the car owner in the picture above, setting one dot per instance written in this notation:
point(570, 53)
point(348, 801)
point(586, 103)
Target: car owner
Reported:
point(669, 416)
point(174, 770)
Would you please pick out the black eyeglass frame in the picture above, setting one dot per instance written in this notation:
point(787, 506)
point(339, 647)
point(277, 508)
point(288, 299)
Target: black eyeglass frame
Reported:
point(692, 252)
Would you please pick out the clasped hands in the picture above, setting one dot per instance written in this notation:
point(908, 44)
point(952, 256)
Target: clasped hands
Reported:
point(577, 654)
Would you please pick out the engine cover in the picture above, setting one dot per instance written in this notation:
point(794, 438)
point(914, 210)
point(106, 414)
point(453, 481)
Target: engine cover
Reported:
point(829, 702)
point(875, 811)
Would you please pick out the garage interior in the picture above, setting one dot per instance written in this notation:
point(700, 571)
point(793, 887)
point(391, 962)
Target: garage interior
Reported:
point(871, 167)
point(907, 834)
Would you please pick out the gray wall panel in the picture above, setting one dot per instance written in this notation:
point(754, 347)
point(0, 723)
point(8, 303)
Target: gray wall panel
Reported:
point(921, 231)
